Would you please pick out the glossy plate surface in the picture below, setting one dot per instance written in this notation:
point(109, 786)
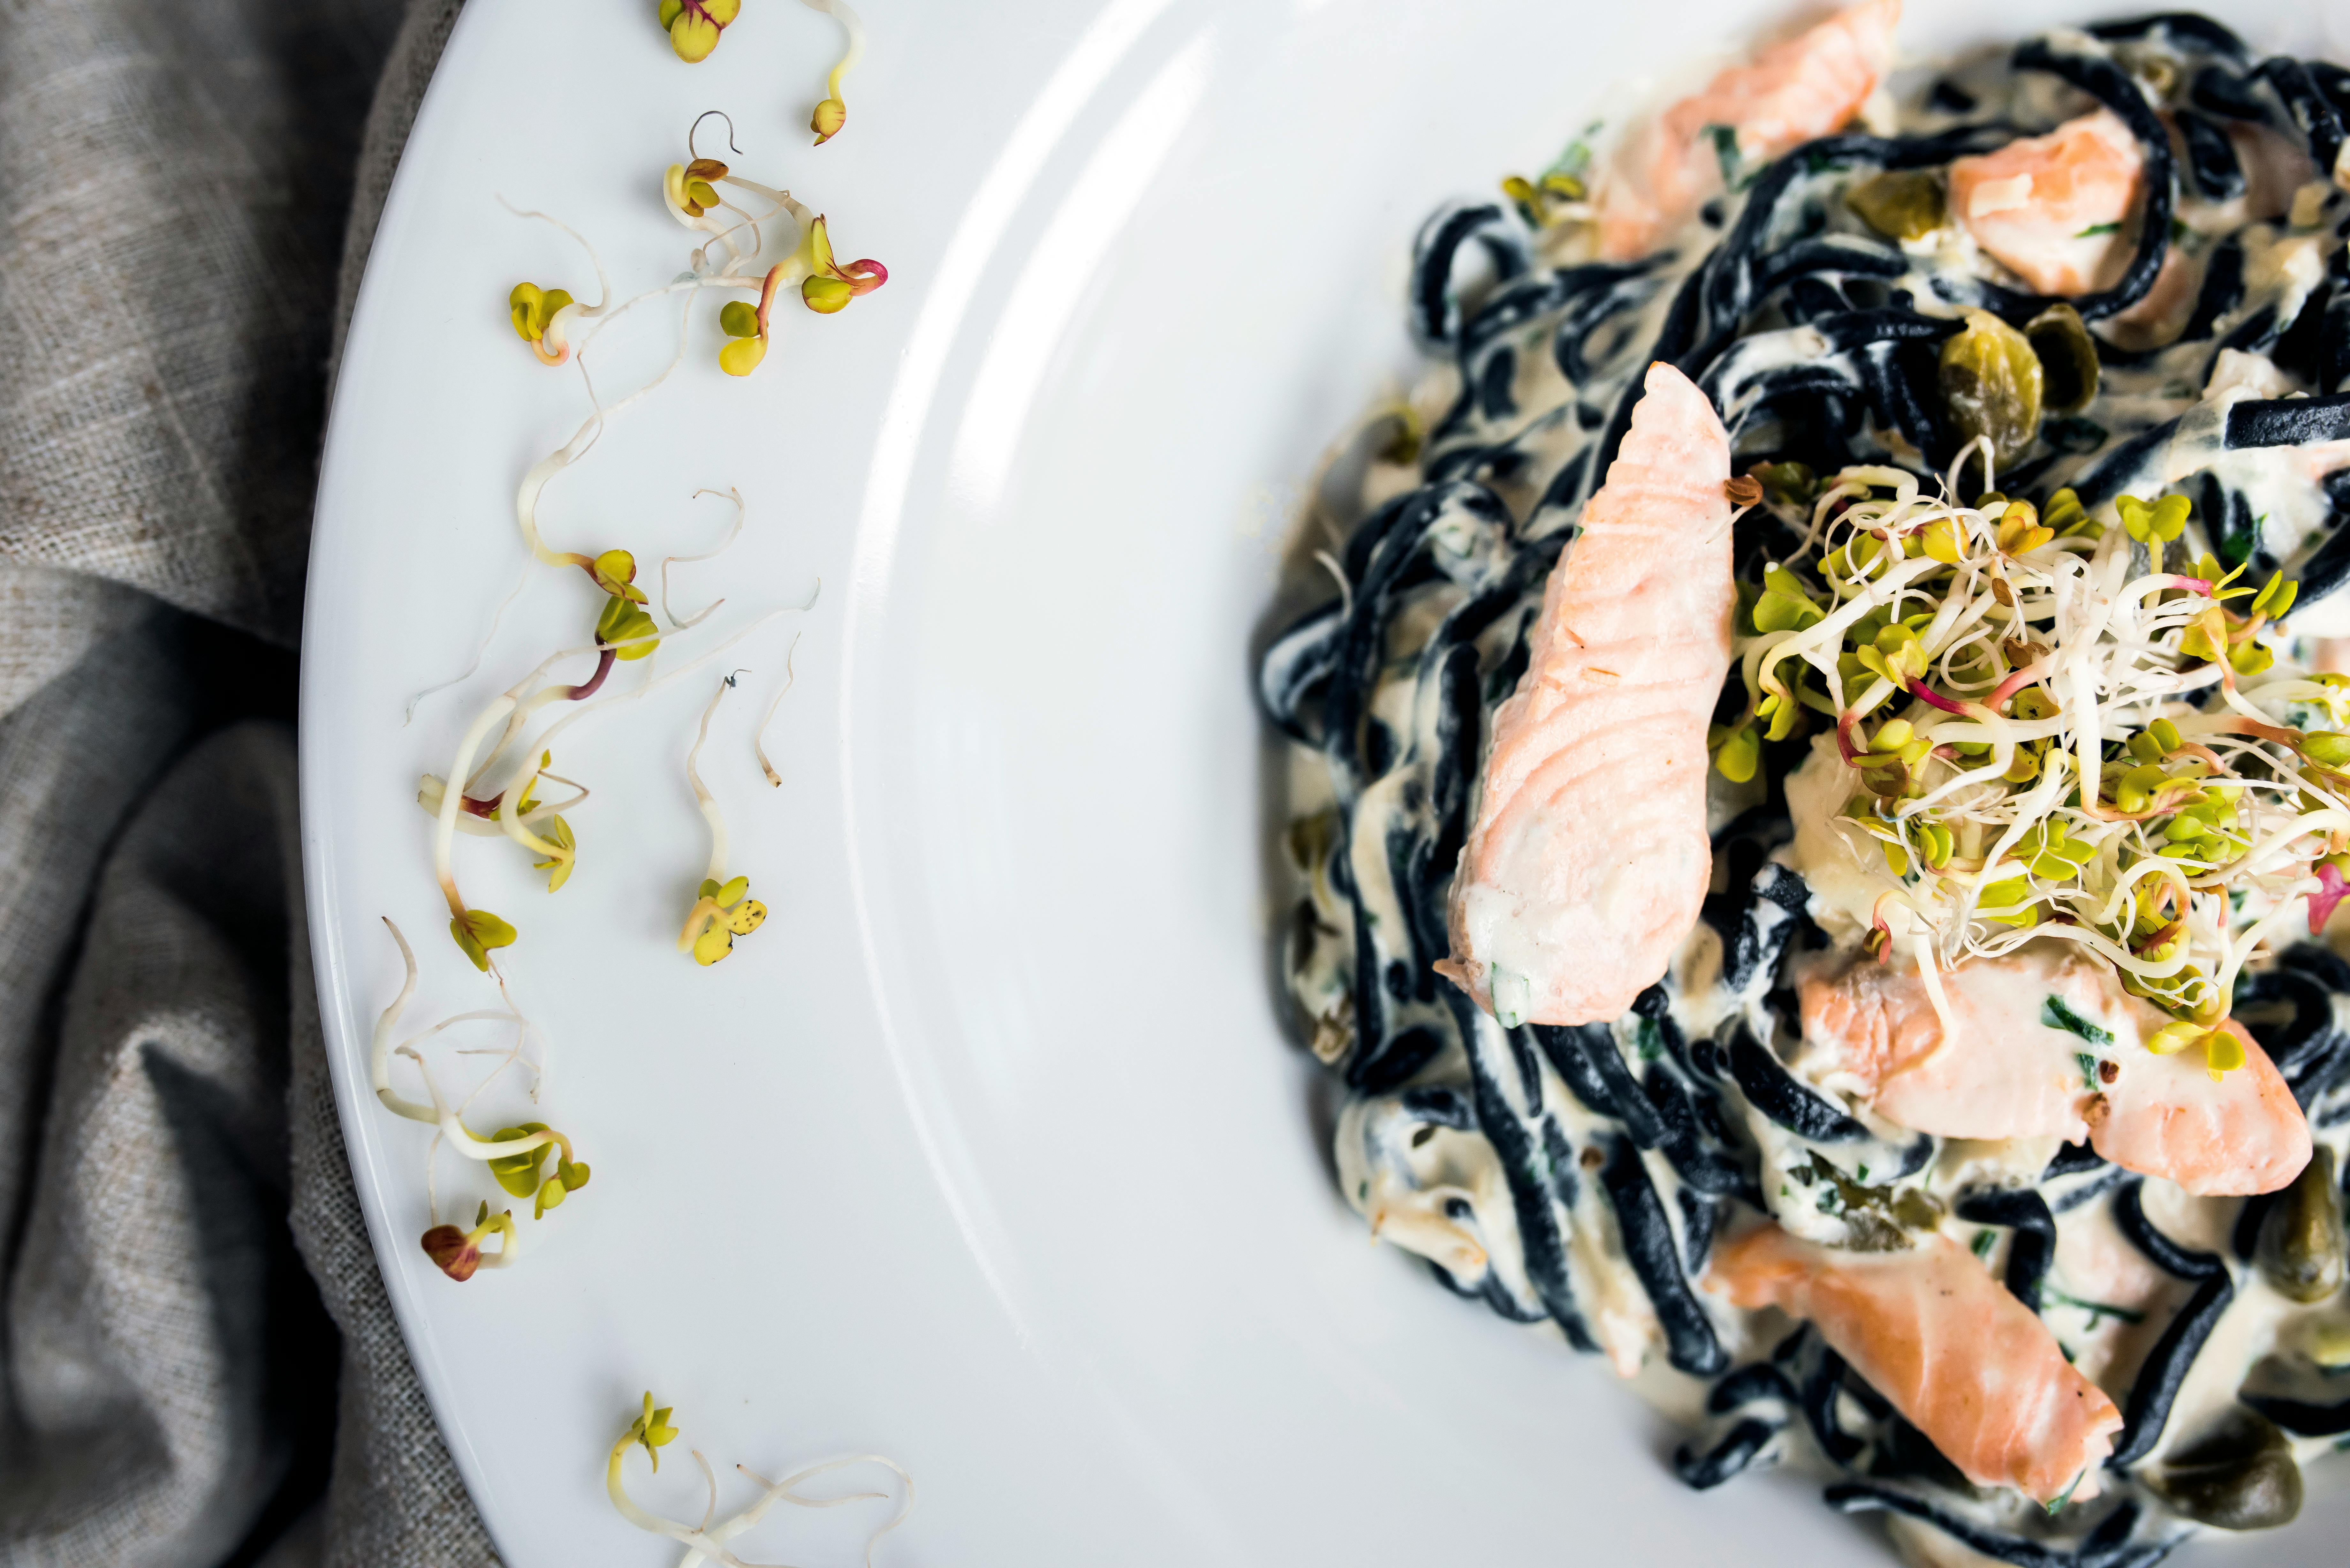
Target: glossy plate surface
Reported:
point(986, 1151)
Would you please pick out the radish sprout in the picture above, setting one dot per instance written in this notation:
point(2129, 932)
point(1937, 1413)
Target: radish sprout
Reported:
point(833, 112)
point(722, 907)
point(707, 1541)
point(694, 25)
point(515, 1156)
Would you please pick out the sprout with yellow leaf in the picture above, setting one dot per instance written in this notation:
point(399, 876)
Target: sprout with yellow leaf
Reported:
point(539, 316)
point(518, 1158)
point(694, 25)
point(653, 1431)
point(723, 907)
point(833, 112)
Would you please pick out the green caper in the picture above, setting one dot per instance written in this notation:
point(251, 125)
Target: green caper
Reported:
point(2237, 1474)
point(2068, 357)
point(1900, 203)
point(1992, 385)
point(2300, 1245)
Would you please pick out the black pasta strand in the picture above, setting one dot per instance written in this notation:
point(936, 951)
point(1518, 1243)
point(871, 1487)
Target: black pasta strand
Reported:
point(1690, 1343)
point(2033, 1245)
point(1539, 1235)
point(2105, 1547)
point(2157, 1386)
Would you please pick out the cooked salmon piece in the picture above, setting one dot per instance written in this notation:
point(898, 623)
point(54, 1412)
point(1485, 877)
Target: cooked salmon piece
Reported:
point(1589, 857)
point(2010, 1065)
point(1807, 86)
point(2055, 209)
point(2165, 1117)
point(1930, 1329)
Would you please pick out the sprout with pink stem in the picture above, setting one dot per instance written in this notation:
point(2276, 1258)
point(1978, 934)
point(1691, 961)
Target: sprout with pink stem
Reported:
point(498, 733)
point(653, 1431)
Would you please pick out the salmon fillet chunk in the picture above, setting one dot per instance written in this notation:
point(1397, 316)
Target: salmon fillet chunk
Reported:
point(1969, 1365)
point(1807, 86)
point(2054, 208)
point(2042, 1043)
point(1588, 858)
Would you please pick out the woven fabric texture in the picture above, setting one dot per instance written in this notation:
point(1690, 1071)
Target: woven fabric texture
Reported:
point(200, 1367)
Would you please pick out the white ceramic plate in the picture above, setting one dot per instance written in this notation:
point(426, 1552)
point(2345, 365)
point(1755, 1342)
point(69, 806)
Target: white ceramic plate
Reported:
point(986, 1151)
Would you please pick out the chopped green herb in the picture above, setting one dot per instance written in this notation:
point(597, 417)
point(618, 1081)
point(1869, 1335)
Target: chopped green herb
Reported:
point(2098, 1311)
point(2092, 231)
point(2066, 1496)
point(2054, 1014)
point(1648, 1040)
point(1860, 1173)
point(1362, 1191)
point(1726, 153)
point(1983, 1243)
point(2089, 1069)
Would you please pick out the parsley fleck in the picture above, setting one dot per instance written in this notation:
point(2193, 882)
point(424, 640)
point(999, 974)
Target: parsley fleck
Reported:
point(2098, 1311)
point(1983, 1243)
point(2092, 231)
point(2054, 1014)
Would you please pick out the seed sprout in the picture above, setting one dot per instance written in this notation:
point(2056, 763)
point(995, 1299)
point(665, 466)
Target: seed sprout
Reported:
point(833, 112)
point(515, 1156)
point(510, 809)
point(707, 1541)
point(2009, 697)
point(694, 25)
point(723, 907)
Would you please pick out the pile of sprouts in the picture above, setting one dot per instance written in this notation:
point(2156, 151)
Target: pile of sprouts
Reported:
point(759, 249)
point(2051, 726)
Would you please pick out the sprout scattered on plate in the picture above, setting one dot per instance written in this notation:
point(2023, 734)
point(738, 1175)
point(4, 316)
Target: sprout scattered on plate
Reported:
point(707, 1541)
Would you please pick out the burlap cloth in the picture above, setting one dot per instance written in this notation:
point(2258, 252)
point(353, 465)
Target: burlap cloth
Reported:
point(201, 1365)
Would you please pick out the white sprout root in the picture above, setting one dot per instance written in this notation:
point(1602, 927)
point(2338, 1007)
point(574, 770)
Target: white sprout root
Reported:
point(759, 738)
point(460, 1253)
point(732, 533)
point(708, 1542)
point(703, 798)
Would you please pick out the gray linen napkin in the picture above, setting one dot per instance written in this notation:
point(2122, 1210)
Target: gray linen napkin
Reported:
point(201, 1365)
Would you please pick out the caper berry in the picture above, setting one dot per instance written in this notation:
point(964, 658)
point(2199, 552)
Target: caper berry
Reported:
point(2237, 1475)
point(2300, 1245)
point(1993, 386)
point(1900, 203)
point(2068, 357)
